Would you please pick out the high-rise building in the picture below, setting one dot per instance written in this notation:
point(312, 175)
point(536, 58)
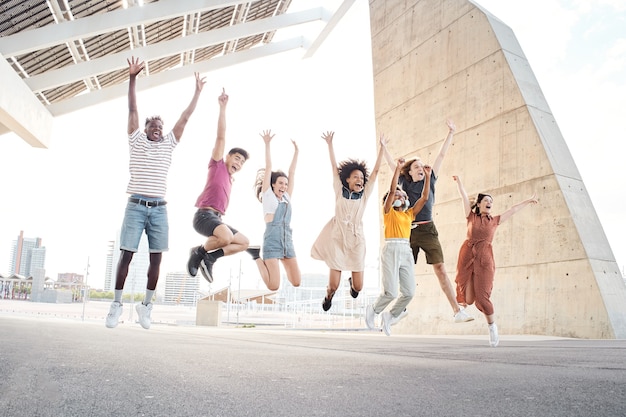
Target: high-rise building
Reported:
point(137, 277)
point(181, 288)
point(109, 272)
point(26, 255)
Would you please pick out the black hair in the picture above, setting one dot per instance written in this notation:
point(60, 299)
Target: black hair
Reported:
point(348, 166)
point(260, 176)
point(398, 188)
point(479, 198)
point(243, 152)
point(152, 119)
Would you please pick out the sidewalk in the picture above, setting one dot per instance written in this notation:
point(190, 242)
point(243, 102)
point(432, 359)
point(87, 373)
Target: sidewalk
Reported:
point(52, 366)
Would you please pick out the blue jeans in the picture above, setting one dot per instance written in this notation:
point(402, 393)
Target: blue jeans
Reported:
point(153, 220)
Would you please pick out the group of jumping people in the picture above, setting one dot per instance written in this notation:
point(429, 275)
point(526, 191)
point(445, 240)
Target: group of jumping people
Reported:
point(407, 219)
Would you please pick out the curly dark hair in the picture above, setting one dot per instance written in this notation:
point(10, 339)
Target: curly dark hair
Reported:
point(260, 176)
point(398, 188)
point(348, 166)
point(152, 119)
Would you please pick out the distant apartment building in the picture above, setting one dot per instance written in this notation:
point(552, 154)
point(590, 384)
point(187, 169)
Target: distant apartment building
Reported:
point(181, 288)
point(70, 277)
point(109, 272)
point(137, 277)
point(27, 254)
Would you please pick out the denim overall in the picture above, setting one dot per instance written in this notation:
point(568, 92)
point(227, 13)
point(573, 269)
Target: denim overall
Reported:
point(277, 239)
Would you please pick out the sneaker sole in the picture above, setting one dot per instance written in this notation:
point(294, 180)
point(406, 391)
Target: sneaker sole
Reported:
point(188, 270)
point(205, 272)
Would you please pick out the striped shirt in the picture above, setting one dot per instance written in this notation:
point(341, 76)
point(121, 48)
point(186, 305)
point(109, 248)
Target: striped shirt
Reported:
point(149, 164)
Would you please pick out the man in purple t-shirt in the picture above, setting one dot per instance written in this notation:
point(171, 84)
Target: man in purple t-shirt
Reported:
point(212, 203)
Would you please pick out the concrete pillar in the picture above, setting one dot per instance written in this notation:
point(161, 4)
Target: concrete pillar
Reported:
point(208, 313)
point(556, 274)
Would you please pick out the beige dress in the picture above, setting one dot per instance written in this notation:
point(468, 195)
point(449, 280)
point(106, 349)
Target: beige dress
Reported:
point(341, 243)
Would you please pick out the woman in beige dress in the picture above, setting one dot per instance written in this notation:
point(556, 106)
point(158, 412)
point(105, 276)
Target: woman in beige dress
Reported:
point(341, 243)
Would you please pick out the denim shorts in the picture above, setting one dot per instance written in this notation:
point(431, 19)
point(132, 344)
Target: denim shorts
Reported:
point(153, 220)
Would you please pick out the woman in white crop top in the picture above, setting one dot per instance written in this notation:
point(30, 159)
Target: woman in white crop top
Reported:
point(274, 191)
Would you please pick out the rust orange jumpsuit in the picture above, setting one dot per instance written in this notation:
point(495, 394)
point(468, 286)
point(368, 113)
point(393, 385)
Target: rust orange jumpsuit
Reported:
point(476, 262)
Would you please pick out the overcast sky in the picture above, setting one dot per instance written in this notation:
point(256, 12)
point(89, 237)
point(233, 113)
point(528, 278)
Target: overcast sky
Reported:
point(72, 195)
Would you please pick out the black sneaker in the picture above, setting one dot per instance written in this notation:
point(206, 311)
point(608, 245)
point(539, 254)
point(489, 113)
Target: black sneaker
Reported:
point(327, 304)
point(206, 267)
point(354, 293)
point(195, 256)
point(254, 251)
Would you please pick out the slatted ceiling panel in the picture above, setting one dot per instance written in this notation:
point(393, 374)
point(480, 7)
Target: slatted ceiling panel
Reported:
point(87, 8)
point(68, 90)
point(38, 62)
point(215, 19)
point(164, 30)
point(107, 44)
point(209, 52)
point(246, 43)
point(113, 78)
point(163, 64)
point(20, 15)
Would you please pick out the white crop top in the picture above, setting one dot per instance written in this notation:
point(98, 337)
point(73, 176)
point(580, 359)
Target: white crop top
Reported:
point(270, 201)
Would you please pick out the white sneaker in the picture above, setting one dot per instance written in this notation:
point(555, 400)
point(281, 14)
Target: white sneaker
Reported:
point(114, 314)
point(370, 316)
point(494, 339)
point(400, 317)
point(462, 316)
point(386, 322)
point(144, 314)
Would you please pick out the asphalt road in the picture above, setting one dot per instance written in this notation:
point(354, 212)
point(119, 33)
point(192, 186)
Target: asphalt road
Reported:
point(54, 367)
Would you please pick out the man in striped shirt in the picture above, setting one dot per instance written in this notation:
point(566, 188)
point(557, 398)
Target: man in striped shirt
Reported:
point(150, 159)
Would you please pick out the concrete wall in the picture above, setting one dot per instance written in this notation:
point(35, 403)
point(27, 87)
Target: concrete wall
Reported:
point(556, 274)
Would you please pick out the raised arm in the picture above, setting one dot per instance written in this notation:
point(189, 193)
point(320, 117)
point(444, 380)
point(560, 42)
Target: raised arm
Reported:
point(419, 204)
point(392, 187)
point(134, 68)
point(465, 200)
point(383, 144)
point(328, 137)
point(388, 157)
point(267, 178)
point(444, 147)
point(220, 140)
point(179, 127)
point(507, 214)
point(292, 167)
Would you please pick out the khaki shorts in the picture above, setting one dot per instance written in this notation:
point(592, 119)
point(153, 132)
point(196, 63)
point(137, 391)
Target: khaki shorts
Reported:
point(426, 238)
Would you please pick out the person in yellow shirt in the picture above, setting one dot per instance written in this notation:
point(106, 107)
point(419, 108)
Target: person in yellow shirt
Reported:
point(397, 257)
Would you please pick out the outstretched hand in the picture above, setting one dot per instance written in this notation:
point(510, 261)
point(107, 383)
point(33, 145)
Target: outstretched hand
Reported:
point(533, 199)
point(199, 81)
point(134, 66)
point(223, 98)
point(383, 140)
point(295, 145)
point(451, 126)
point(328, 137)
point(267, 136)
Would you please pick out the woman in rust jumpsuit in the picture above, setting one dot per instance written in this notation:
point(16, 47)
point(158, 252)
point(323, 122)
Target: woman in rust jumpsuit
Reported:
point(476, 267)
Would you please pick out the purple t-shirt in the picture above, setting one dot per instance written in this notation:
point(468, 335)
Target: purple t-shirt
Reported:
point(216, 193)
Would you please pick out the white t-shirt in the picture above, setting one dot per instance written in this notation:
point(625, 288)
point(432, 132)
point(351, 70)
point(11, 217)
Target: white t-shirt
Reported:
point(270, 201)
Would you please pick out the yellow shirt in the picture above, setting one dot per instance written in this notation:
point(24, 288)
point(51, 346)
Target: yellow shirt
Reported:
point(397, 224)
